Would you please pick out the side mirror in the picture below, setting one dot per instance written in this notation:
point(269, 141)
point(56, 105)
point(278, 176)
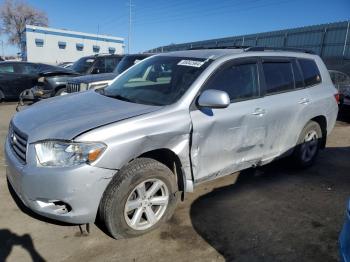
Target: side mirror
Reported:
point(214, 99)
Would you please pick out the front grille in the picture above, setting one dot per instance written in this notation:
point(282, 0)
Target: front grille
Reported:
point(73, 87)
point(18, 143)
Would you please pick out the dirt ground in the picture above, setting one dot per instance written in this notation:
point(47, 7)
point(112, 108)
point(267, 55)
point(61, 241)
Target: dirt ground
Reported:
point(275, 214)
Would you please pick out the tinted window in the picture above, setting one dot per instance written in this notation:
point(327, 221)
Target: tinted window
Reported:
point(310, 72)
point(238, 81)
point(6, 68)
point(278, 77)
point(26, 69)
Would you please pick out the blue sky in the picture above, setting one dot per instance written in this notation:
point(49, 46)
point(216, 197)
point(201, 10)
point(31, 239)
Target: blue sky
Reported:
point(157, 22)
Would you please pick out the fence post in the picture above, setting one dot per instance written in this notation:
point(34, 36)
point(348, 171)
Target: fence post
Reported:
point(346, 39)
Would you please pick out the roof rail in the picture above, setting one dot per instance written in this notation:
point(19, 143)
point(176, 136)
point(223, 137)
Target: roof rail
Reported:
point(261, 48)
point(220, 47)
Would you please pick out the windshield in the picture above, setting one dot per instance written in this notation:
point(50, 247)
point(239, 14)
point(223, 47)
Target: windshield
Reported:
point(159, 80)
point(83, 64)
point(126, 62)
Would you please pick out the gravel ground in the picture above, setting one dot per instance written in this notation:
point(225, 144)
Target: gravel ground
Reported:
point(277, 213)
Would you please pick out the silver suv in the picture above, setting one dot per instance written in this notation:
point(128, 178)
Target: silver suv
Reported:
point(127, 152)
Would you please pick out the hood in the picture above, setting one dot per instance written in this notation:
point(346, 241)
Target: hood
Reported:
point(52, 71)
point(94, 78)
point(68, 116)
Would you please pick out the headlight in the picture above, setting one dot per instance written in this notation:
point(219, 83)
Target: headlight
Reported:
point(41, 79)
point(83, 86)
point(64, 154)
point(97, 85)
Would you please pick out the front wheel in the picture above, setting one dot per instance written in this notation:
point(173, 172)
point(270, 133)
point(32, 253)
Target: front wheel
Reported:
point(308, 145)
point(140, 197)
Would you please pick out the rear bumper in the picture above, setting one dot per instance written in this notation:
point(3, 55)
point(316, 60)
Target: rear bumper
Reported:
point(80, 188)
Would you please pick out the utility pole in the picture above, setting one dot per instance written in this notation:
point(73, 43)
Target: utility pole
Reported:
point(129, 34)
point(2, 49)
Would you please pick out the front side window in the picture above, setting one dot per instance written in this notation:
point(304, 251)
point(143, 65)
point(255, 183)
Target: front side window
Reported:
point(278, 76)
point(160, 80)
point(310, 72)
point(239, 81)
point(6, 68)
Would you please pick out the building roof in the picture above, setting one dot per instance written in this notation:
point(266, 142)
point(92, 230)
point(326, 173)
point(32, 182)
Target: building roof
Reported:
point(74, 34)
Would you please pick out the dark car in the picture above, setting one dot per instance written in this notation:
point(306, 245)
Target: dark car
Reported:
point(96, 64)
point(345, 238)
point(15, 77)
point(85, 82)
point(342, 82)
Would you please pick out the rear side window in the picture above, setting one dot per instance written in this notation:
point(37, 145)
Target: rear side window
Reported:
point(310, 72)
point(278, 76)
point(239, 81)
point(6, 68)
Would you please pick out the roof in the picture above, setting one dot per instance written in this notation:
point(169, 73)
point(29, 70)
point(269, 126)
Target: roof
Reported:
point(69, 33)
point(204, 53)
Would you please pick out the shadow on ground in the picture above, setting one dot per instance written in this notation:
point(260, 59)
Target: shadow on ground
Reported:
point(344, 114)
point(8, 240)
point(278, 213)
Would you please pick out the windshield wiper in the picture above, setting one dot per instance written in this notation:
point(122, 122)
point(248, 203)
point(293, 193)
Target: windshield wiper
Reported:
point(119, 97)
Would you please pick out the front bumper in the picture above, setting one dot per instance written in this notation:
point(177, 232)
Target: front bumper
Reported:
point(80, 188)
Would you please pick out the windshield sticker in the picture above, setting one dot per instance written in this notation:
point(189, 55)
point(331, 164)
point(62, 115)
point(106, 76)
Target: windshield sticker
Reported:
point(191, 63)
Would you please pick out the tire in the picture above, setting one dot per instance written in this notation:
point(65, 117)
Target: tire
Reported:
point(2, 96)
point(308, 145)
point(122, 191)
point(60, 91)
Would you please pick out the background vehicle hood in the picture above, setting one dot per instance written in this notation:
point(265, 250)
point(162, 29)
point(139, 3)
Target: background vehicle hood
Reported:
point(68, 116)
point(94, 78)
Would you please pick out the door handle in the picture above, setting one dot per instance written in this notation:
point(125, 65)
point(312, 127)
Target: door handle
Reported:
point(259, 112)
point(304, 101)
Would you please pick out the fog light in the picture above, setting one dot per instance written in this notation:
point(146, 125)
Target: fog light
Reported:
point(56, 206)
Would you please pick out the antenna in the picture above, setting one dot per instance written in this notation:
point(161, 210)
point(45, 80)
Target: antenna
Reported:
point(129, 34)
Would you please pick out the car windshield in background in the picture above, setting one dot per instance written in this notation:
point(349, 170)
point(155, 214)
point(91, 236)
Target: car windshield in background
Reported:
point(160, 80)
point(83, 64)
point(126, 62)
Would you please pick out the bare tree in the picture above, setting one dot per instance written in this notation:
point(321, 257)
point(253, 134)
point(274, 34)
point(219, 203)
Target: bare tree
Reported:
point(15, 15)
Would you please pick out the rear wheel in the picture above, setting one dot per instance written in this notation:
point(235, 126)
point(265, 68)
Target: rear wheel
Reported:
point(138, 199)
point(308, 145)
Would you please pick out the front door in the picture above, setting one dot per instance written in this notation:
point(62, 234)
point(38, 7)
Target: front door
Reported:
point(233, 138)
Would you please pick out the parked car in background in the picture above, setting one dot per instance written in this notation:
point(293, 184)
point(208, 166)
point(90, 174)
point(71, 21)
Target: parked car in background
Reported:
point(96, 64)
point(65, 64)
point(125, 153)
point(342, 82)
point(344, 239)
point(86, 82)
point(15, 77)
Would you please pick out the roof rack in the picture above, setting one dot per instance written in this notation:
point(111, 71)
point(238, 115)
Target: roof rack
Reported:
point(255, 48)
point(261, 48)
point(220, 47)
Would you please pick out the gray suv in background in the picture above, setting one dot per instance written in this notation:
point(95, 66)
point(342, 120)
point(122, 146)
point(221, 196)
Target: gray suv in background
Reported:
point(86, 82)
point(125, 153)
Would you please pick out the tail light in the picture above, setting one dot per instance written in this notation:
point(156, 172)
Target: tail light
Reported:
point(337, 97)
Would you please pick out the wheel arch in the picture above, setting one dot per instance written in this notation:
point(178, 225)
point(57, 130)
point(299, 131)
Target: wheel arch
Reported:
point(322, 121)
point(172, 161)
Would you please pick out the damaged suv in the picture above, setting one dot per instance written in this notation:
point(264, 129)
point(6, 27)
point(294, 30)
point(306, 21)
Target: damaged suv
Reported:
point(126, 153)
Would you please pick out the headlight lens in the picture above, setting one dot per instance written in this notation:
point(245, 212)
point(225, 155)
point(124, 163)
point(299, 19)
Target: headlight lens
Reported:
point(64, 154)
point(83, 86)
point(97, 85)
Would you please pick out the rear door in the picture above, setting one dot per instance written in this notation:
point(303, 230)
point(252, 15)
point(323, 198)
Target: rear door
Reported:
point(233, 138)
point(286, 102)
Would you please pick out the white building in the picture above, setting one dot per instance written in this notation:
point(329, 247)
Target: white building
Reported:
point(53, 46)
